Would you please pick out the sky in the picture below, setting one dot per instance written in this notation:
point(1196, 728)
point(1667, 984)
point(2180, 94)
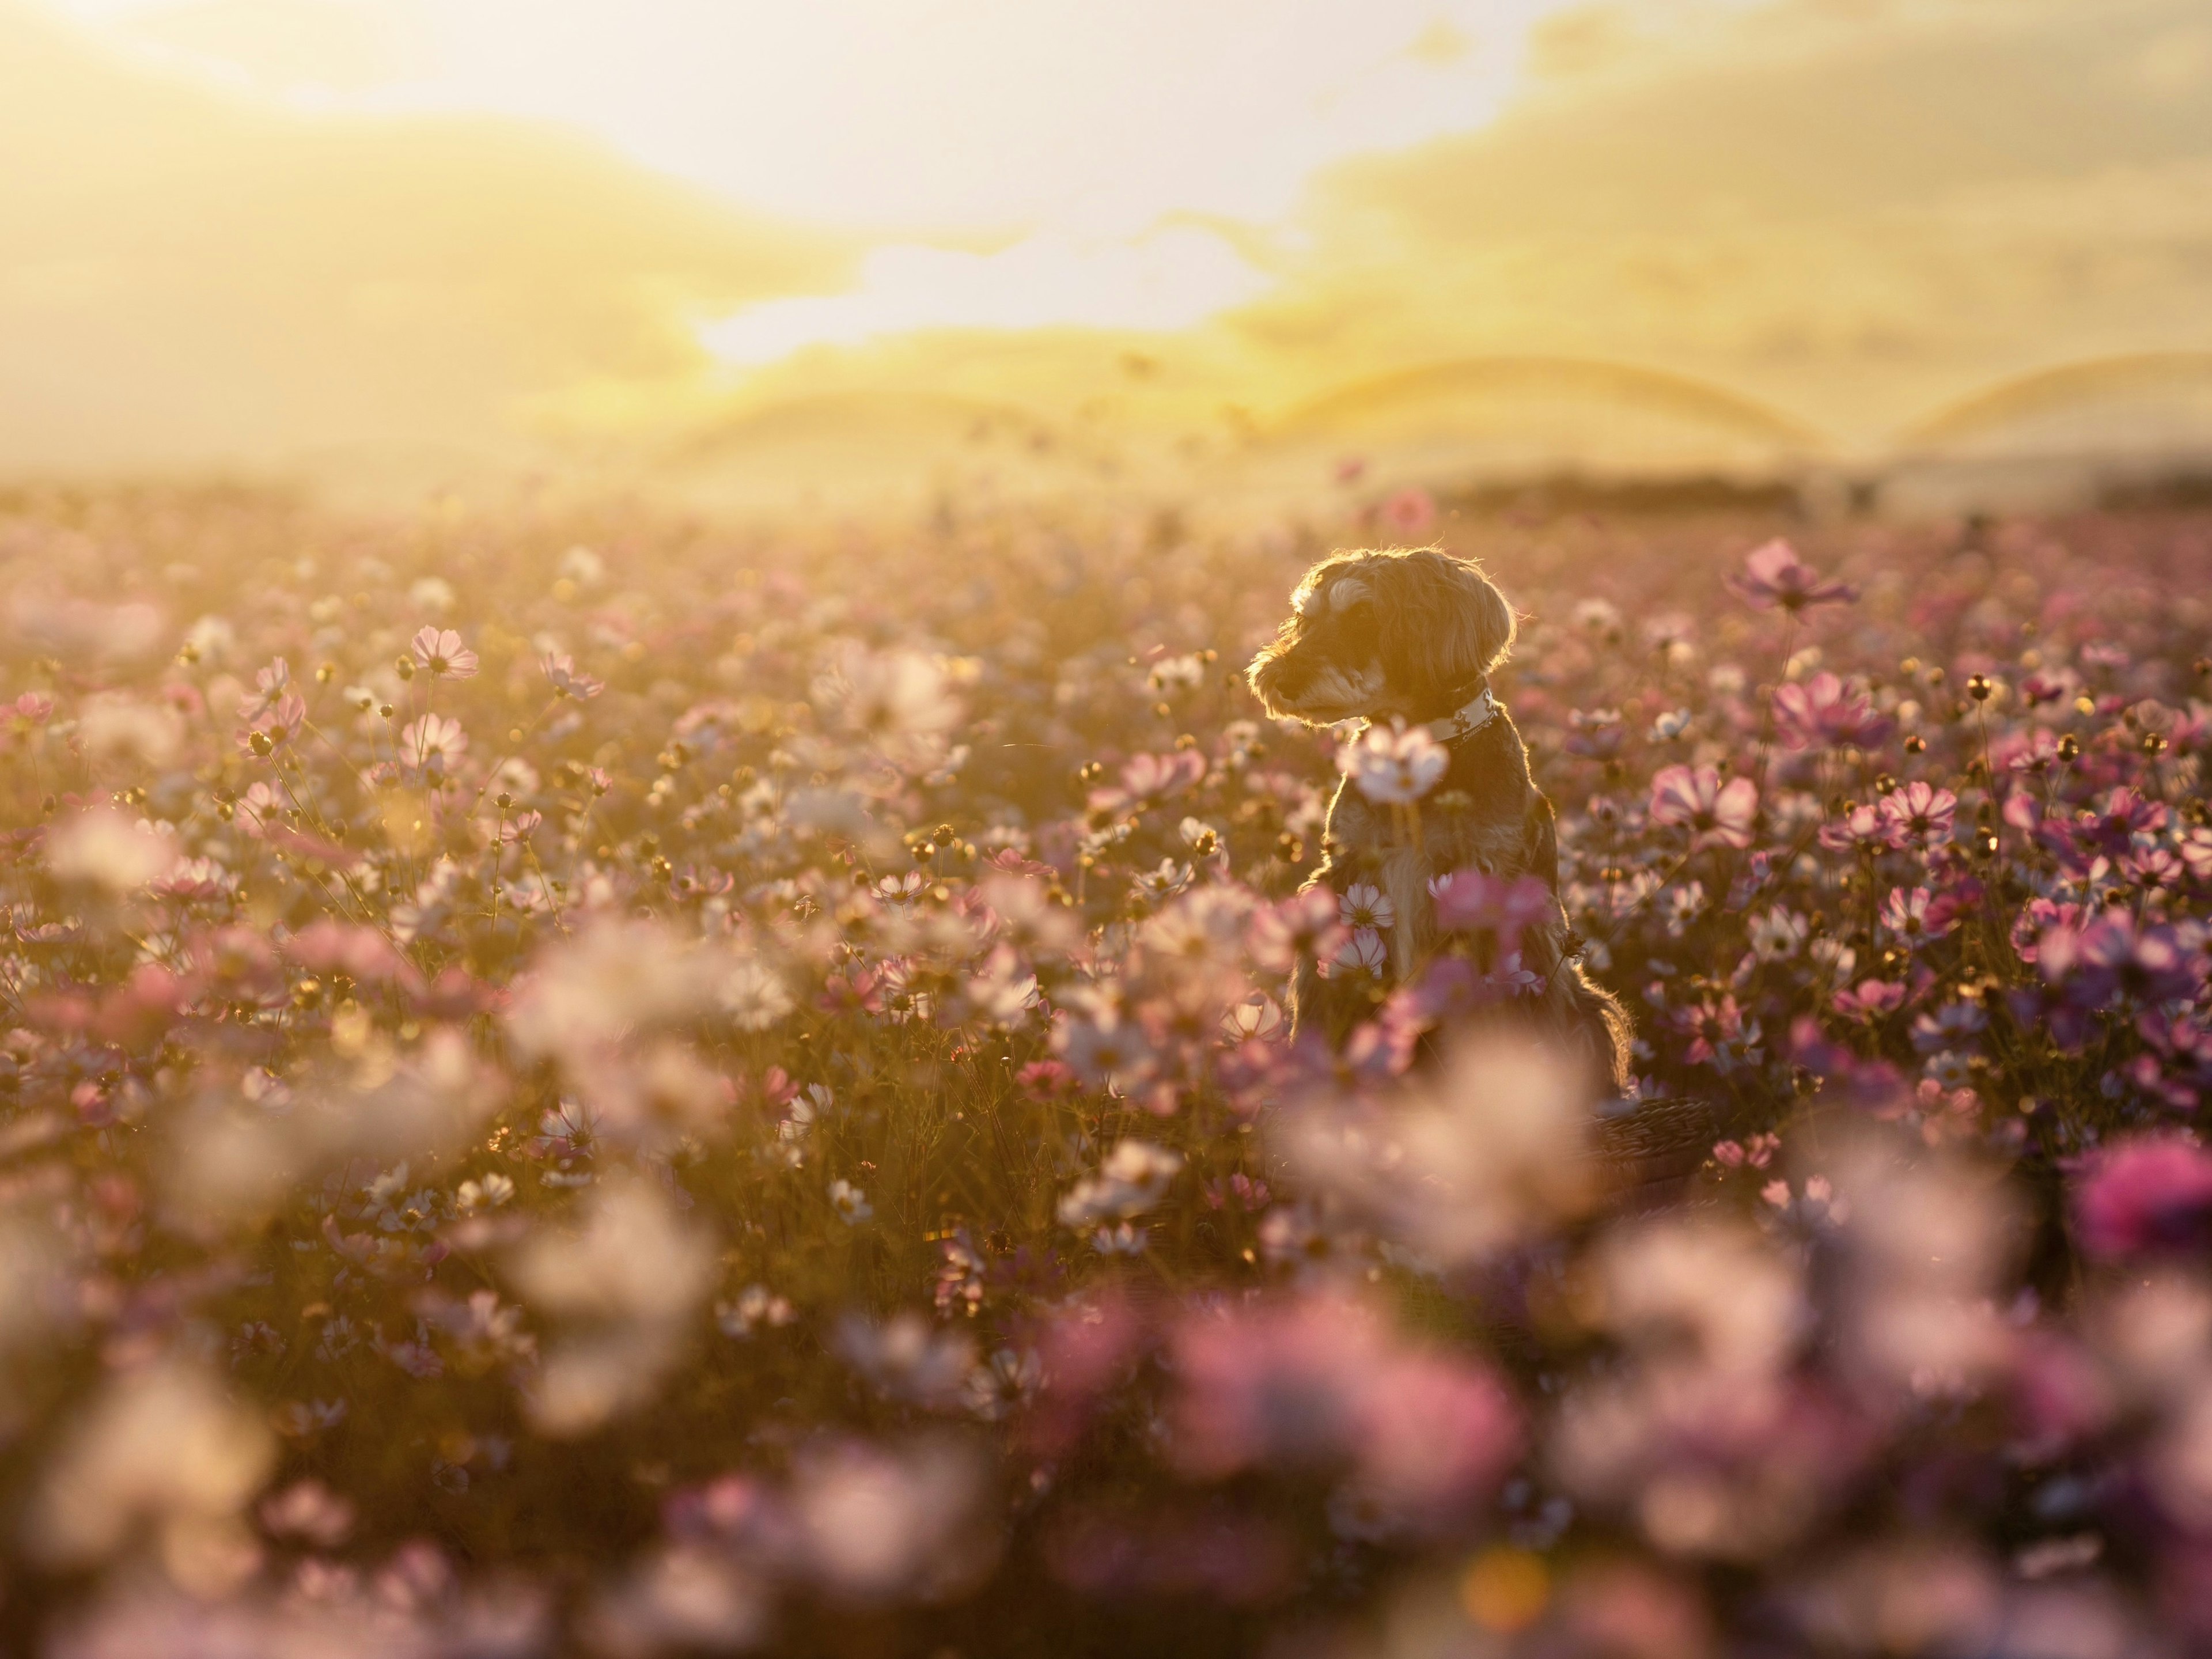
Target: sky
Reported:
point(250, 233)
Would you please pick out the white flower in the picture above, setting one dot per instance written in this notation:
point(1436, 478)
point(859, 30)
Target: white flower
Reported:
point(161, 1445)
point(1132, 1179)
point(850, 1202)
point(755, 1305)
point(754, 997)
point(1365, 905)
point(1390, 765)
point(1780, 932)
point(1365, 949)
point(1127, 1239)
point(489, 1194)
point(102, 845)
point(432, 594)
point(1165, 882)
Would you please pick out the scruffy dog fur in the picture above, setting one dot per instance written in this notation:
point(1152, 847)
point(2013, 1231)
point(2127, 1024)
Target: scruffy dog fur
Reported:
point(1413, 635)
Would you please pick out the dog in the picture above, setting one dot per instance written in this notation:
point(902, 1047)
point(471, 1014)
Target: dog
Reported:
point(1413, 635)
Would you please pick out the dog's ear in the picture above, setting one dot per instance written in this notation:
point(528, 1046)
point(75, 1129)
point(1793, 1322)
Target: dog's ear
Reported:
point(1447, 625)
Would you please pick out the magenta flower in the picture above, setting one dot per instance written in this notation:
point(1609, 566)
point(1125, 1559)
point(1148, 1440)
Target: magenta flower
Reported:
point(1505, 907)
point(1869, 1001)
point(439, 653)
point(2110, 958)
point(2153, 1193)
point(1918, 815)
point(1774, 575)
point(1824, 712)
point(1717, 814)
point(1856, 830)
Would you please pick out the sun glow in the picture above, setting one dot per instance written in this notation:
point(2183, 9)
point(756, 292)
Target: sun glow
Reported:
point(1166, 279)
point(1072, 134)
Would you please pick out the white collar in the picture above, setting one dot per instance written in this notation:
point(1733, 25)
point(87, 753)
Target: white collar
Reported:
point(1469, 719)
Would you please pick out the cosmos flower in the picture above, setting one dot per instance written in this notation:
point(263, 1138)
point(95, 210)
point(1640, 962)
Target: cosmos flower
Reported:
point(850, 1203)
point(562, 673)
point(2146, 1193)
point(432, 743)
point(1774, 575)
point(1307, 926)
point(1363, 905)
point(440, 654)
point(1918, 815)
point(1392, 765)
point(1695, 799)
point(1823, 712)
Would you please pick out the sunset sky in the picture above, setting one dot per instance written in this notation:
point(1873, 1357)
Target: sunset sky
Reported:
point(256, 232)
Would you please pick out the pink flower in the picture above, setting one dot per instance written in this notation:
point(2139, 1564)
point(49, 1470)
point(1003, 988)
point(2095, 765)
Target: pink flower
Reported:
point(20, 719)
point(1823, 712)
point(2153, 1193)
point(1774, 575)
point(1105, 1056)
point(1410, 511)
point(561, 670)
point(440, 650)
point(1918, 815)
point(433, 743)
point(1909, 916)
point(1857, 830)
point(269, 685)
point(1716, 1030)
point(1719, 815)
point(1871, 999)
point(1148, 778)
point(1506, 907)
point(1320, 1382)
point(279, 723)
point(1304, 926)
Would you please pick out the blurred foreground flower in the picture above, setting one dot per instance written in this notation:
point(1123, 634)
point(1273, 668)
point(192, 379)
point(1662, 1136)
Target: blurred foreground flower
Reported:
point(623, 1287)
point(162, 1449)
point(110, 849)
point(2152, 1194)
point(1394, 765)
point(1466, 1160)
point(1320, 1382)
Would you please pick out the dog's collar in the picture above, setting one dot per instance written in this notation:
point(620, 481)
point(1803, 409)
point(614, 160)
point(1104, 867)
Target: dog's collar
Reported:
point(1470, 719)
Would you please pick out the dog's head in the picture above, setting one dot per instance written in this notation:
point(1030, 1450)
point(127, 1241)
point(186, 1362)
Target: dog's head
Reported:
point(1409, 632)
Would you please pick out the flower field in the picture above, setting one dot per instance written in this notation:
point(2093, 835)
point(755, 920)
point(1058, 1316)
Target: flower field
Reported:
point(579, 1081)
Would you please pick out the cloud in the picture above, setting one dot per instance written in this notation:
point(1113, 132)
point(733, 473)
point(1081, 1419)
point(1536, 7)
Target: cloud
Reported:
point(207, 281)
point(1849, 223)
point(1170, 279)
